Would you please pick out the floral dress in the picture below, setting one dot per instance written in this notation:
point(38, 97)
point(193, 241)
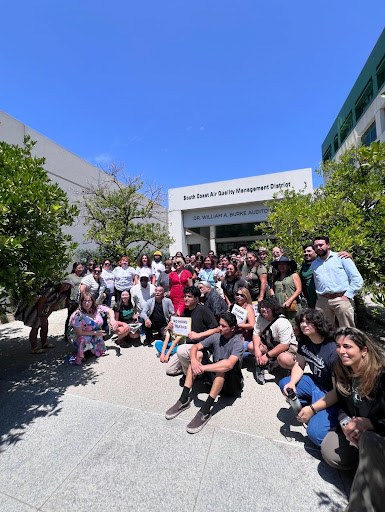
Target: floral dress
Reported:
point(94, 343)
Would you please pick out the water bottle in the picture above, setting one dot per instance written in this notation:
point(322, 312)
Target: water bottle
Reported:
point(293, 401)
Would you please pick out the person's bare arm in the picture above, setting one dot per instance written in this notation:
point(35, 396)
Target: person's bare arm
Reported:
point(297, 293)
point(250, 320)
point(195, 336)
point(221, 366)
point(296, 374)
point(262, 290)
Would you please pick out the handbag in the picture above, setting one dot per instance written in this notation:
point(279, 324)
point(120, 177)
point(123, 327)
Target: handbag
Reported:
point(293, 305)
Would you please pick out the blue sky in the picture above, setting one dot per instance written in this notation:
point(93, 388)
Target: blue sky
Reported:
point(185, 92)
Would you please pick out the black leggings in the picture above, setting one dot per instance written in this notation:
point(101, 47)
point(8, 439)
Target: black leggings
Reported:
point(72, 307)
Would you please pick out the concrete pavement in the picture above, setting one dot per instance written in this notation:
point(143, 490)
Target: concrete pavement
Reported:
point(94, 438)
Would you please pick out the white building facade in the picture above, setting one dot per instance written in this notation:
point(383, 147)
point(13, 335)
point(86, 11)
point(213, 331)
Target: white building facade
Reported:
point(361, 119)
point(223, 215)
point(73, 174)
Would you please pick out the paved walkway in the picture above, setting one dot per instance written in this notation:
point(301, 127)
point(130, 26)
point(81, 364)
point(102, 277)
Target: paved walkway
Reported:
point(94, 438)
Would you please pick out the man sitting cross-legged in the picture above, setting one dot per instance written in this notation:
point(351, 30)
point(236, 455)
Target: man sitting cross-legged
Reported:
point(227, 350)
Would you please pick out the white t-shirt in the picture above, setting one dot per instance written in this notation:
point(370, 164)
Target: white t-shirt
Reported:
point(124, 278)
point(148, 270)
point(109, 278)
point(140, 295)
point(157, 268)
point(93, 286)
point(281, 330)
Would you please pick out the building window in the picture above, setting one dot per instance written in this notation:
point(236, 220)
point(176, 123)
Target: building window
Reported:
point(235, 230)
point(370, 135)
point(346, 127)
point(380, 73)
point(364, 99)
point(194, 248)
point(335, 144)
point(328, 154)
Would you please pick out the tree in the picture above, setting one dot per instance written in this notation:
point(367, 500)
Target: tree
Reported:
point(122, 214)
point(349, 208)
point(33, 247)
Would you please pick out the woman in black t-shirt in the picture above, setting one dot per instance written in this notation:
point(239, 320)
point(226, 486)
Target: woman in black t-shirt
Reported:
point(126, 318)
point(316, 346)
point(359, 390)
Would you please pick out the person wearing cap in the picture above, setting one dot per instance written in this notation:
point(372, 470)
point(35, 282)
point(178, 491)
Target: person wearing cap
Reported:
point(287, 286)
point(142, 292)
point(35, 314)
point(157, 265)
point(337, 281)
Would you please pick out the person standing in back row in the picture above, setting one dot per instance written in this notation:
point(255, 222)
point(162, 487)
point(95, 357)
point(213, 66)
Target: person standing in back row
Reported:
point(337, 281)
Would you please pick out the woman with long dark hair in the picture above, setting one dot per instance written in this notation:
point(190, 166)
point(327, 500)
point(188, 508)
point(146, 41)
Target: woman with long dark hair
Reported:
point(359, 391)
point(316, 346)
point(144, 265)
point(125, 314)
point(256, 276)
point(209, 271)
point(231, 283)
point(287, 286)
point(94, 284)
point(87, 322)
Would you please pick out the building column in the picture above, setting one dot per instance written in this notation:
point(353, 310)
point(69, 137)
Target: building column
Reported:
point(212, 239)
point(177, 231)
point(380, 122)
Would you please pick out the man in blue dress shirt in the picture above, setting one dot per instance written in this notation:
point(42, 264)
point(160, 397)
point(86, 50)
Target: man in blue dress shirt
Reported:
point(337, 281)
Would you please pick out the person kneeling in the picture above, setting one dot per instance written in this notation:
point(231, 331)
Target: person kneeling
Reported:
point(227, 349)
point(274, 342)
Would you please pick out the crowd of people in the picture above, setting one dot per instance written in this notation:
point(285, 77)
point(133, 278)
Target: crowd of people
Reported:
point(239, 305)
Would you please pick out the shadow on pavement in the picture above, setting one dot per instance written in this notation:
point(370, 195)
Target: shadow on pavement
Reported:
point(31, 385)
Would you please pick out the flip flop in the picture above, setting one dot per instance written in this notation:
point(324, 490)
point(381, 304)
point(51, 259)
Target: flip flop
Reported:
point(48, 345)
point(37, 351)
point(71, 360)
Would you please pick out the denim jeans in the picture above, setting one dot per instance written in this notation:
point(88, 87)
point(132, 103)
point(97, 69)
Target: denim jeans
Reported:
point(308, 392)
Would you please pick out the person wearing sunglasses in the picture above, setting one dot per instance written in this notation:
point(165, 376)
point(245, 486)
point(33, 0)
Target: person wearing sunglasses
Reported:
point(109, 278)
point(177, 282)
point(94, 284)
point(245, 329)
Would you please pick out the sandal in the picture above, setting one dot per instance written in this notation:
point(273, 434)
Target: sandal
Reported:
point(36, 350)
point(48, 345)
point(72, 361)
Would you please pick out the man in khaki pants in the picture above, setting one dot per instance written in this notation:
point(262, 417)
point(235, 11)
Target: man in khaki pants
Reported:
point(337, 281)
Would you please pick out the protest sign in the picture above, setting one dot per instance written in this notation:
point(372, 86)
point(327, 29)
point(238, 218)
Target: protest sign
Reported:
point(240, 314)
point(181, 325)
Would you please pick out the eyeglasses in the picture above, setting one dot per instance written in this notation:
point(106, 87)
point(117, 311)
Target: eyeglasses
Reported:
point(107, 263)
point(178, 263)
point(97, 271)
point(239, 295)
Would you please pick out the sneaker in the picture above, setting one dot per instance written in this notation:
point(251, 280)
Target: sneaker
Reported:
point(177, 409)
point(260, 375)
point(198, 422)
